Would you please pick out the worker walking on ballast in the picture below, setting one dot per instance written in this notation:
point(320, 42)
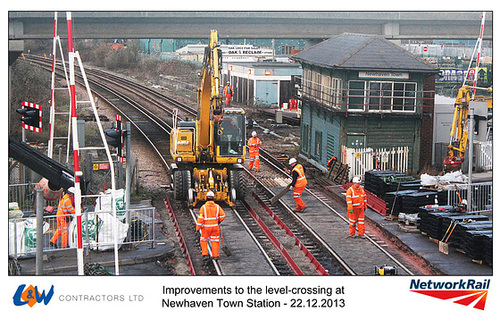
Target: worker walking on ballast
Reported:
point(254, 145)
point(65, 209)
point(228, 92)
point(211, 215)
point(299, 183)
point(356, 205)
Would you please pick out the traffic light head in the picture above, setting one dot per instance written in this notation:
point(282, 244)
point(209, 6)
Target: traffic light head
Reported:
point(114, 137)
point(31, 116)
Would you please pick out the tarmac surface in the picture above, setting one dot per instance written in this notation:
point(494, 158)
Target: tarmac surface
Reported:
point(153, 258)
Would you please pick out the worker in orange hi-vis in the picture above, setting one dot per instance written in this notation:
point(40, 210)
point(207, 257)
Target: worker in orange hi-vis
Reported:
point(64, 215)
point(211, 215)
point(299, 183)
point(356, 205)
point(254, 145)
point(228, 92)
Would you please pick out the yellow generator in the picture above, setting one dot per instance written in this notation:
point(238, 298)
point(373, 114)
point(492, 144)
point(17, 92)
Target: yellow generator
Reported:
point(209, 153)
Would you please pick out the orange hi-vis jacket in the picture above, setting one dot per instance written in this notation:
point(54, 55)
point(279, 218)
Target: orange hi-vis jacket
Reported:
point(254, 144)
point(356, 198)
point(228, 91)
point(65, 207)
point(211, 214)
point(301, 178)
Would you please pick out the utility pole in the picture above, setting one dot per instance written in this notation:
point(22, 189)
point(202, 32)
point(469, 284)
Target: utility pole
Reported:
point(39, 231)
point(128, 174)
point(471, 156)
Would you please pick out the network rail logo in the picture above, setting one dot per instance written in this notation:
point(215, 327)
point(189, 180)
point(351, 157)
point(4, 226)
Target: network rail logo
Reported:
point(468, 292)
point(31, 296)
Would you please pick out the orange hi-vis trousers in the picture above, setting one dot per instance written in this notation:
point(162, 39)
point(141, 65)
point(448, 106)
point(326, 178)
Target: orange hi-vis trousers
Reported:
point(297, 193)
point(357, 216)
point(208, 221)
point(62, 231)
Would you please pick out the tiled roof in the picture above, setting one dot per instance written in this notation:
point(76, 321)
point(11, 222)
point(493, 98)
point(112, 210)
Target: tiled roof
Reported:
point(360, 51)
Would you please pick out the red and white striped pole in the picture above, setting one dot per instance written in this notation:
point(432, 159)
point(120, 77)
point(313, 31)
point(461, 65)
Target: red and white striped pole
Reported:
point(78, 195)
point(52, 115)
point(479, 46)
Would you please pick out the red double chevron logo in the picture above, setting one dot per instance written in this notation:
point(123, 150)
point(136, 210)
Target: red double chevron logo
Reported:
point(476, 298)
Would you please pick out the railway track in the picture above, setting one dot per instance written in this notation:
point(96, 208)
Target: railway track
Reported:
point(255, 232)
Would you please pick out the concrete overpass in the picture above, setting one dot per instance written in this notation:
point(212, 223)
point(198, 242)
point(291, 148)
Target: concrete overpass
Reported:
point(286, 25)
point(314, 26)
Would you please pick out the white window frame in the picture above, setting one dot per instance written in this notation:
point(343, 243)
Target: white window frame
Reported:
point(363, 97)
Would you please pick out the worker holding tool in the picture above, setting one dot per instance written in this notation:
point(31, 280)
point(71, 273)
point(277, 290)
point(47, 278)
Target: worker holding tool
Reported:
point(356, 205)
point(330, 164)
point(211, 215)
point(64, 213)
point(254, 145)
point(298, 184)
point(228, 92)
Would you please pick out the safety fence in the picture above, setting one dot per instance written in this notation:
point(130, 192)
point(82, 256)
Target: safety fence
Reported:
point(24, 195)
point(98, 230)
point(361, 160)
point(484, 156)
point(480, 200)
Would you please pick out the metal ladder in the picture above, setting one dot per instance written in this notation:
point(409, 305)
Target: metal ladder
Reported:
point(54, 113)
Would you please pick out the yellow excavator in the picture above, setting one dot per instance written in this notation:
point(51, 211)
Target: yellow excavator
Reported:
point(459, 134)
point(208, 153)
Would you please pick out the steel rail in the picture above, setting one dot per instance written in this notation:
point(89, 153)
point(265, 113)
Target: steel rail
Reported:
point(344, 219)
point(259, 246)
point(284, 253)
point(180, 237)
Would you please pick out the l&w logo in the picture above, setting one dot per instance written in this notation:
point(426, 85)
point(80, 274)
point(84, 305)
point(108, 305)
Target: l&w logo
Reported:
point(465, 292)
point(31, 296)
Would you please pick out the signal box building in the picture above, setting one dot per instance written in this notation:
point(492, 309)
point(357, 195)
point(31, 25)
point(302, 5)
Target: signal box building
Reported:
point(364, 91)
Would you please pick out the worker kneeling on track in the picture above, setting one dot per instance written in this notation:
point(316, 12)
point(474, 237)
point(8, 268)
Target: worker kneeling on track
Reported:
point(356, 205)
point(211, 215)
point(299, 183)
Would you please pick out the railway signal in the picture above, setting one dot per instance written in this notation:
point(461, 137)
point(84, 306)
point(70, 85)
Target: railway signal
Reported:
point(31, 116)
point(114, 137)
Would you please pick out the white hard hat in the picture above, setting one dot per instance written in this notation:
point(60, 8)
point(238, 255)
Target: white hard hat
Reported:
point(254, 134)
point(210, 195)
point(292, 161)
point(356, 180)
point(464, 202)
point(71, 190)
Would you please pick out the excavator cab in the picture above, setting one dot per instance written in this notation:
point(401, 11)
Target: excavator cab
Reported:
point(230, 138)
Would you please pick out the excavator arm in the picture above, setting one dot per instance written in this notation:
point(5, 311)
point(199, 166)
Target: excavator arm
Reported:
point(209, 96)
point(459, 133)
point(58, 175)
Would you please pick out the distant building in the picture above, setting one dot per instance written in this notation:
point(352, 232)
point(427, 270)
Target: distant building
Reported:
point(261, 84)
point(365, 91)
